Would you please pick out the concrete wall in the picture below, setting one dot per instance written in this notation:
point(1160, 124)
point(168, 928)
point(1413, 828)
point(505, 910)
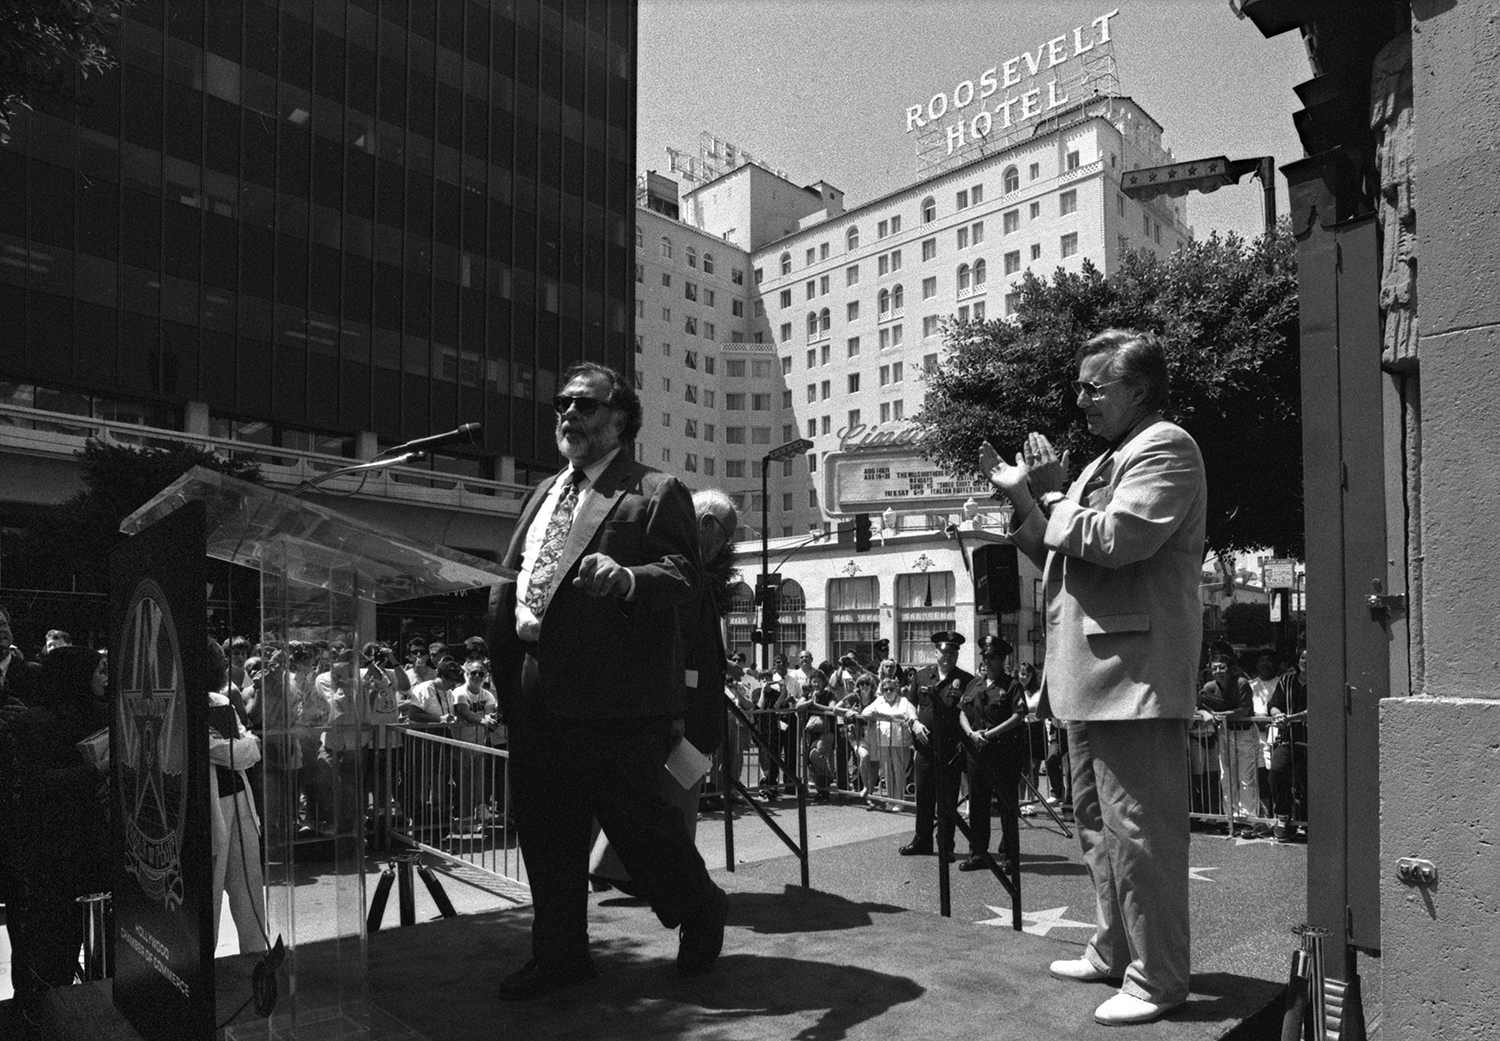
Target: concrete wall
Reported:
point(1440, 752)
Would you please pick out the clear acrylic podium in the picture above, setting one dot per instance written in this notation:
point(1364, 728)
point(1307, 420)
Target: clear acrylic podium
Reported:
point(321, 576)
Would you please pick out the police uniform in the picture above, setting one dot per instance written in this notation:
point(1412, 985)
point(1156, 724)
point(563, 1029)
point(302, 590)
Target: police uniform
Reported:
point(997, 767)
point(936, 698)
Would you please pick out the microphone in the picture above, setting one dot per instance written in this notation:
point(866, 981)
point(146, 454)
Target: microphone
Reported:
point(467, 434)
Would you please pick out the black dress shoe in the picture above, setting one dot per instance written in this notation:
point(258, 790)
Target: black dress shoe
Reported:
point(974, 863)
point(538, 977)
point(702, 938)
point(915, 849)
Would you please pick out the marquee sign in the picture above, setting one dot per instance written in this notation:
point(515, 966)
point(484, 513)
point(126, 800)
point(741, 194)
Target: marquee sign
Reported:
point(874, 480)
point(1067, 69)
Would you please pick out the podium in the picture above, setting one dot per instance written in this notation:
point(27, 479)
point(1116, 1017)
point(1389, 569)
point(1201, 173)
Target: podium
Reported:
point(322, 574)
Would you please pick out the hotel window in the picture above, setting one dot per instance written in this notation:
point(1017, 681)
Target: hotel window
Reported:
point(785, 299)
point(690, 463)
point(786, 331)
point(708, 428)
point(640, 273)
point(882, 229)
point(822, 251)
point(690, 359)
point(929, 248)
point(965, 279)
point(666, 350)
point(786, 365)
point(851, 310)
point(929, 363)
point(1070, 244)
point(640, 308)
point(898, 301)
point(708, 402)
point(640, 238)
point(896, 372)
point(1071, 162)
point(786, 263)
point(825, 424)
point(734, 402)
point(760, 368)
point(640, 345)
point(708, 298)
point(812, 392)
point(760, 275)
point(929, 287)
point(961, 237)
point(734, 468)
point(1013, 262)
point(666, 455)
point(760, 308)
point(737, 308)
point(1067, 202)
point(976, 194)
point(853, 383)
point(736, 274)
point(760, 402)
point(708, 465)
point(812, 326)
point(691, 255)
point(666, 384)
point(786, 498)
point(812, 493)
point(853, 418)
point(825, 390)
point(963, 313)
point(924, 605)
point(1156, 233)
point(812, 429)
point(812, 357)
point(1012, 301)
point(929, 210)
point(689, 291)
point(883, 304)
point(666, 279)
point(1011, 221)
point(980, 270)
point(1034, 211)
point(812, 255)
point(1145, 224)
point(851, 275)
point(786, 399)
point(979, 311)
point(851, 239)
point(853, 347)
point(885, 411)
point(1034, 171)
point(824, 321)
point(1036, 251)
point(690, 325)
point(666, 248)
point(898, 409)
point(708, 263)
point(896, 225)
point(961, 198)
point(885, 375)
point(666, 419)
point(812, 288)
point(883, 264)
point(929, 326)
point(854, 617)
point(823, 285)
point(976, 232)
point(1120, 205)
point(734, 366)
point(1011, 181)
point(895, 260)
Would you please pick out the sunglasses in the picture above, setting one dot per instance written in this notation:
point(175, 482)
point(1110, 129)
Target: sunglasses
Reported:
point(585, 406)
point(1093, 390)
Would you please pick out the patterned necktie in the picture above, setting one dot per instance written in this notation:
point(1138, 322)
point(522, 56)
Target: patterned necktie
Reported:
point(556, 536)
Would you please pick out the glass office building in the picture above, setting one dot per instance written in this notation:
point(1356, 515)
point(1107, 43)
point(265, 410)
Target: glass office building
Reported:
point(329, 226)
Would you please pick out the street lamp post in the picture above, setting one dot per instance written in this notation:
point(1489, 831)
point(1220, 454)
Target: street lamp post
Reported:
point(775, 455)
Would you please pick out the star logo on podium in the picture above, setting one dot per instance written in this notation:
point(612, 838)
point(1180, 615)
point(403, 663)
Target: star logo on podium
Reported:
point(1037, 923)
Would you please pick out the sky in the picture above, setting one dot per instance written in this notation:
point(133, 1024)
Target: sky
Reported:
point(820, 88)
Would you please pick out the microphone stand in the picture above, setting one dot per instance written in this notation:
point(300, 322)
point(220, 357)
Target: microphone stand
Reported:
point(365, 467)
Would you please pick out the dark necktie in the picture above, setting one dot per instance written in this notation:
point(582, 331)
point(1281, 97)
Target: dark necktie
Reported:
point(553, 540)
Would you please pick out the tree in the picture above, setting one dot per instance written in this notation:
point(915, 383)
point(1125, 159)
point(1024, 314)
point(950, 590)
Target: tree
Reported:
point(47, 45)
point(70, 548)
point(1226, 311)
point(1249, 625)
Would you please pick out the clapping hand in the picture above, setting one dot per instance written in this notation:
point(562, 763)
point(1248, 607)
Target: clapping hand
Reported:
point(1006, 477)
point(1048, 472)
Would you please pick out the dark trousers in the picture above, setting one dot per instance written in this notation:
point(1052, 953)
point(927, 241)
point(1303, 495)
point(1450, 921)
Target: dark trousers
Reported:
point(1289, 780)
point(1059, 774)
point(929, 791)
point(565, 773)
point(995, 771)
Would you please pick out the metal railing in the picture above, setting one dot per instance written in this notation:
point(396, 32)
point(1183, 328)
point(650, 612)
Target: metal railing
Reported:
point(1227, 760)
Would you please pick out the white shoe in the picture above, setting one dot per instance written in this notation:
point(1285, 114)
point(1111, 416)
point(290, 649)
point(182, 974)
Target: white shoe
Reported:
point(1126, 1010)
point(1079, 969)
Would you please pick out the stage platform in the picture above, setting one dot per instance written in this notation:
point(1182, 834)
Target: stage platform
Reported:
point(797, 963)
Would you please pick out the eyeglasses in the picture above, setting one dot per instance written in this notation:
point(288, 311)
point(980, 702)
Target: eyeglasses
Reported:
point(1093, 390)
point(585, 406)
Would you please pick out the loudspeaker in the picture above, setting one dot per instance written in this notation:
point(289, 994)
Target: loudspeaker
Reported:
point(997, 577)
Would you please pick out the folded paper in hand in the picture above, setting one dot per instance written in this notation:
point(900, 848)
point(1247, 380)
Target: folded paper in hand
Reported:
point(686, 764)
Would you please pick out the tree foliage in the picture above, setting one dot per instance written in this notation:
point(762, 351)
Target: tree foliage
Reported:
point(1226, 311)
point(70, 548)
point(46, 46)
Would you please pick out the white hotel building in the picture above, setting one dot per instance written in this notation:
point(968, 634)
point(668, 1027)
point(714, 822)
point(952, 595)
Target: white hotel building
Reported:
point(766, 311)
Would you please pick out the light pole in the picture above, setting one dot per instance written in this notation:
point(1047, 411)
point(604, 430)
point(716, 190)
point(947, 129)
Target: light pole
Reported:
point(775, 455)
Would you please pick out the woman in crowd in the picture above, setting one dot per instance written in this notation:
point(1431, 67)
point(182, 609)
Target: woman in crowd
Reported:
point(890, 717)
point(861, 739)
point(817, 731)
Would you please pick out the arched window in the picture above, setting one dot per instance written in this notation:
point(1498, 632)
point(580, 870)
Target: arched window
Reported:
point(898, 299)
point(692, 256)
point(1012, 179)
point(666, 248)
point(851, 239)
point(708, 263)
point(741, 620)
point(812, 326)
point(929, 210)
point(823, 320)
point(883, 302)
point(786, 263)
point(979, 273)
point(963, 278)
point(640, 238)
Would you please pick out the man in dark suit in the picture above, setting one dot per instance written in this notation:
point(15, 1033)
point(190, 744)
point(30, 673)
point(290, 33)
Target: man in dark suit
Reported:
point(936, 689)
point(588, 658)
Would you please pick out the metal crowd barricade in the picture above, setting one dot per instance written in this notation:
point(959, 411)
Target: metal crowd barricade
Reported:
point(450, 798)
point(1215, 759)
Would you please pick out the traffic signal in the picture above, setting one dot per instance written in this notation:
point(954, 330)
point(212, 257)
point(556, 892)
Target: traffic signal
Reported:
point(861, 532)
point(769, 593)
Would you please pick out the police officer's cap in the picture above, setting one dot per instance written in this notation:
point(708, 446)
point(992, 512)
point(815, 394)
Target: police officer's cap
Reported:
point(994, 646)
point(946, 640)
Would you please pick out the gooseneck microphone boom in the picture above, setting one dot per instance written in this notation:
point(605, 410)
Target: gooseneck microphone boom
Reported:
point(467, 434)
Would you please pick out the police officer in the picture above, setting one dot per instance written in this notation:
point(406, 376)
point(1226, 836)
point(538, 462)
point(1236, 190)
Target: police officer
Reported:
point(992, 711)
point(937, 689)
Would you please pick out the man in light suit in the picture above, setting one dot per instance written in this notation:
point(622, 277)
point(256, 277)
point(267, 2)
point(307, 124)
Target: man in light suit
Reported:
point(1120, 553)
point(587, 656)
